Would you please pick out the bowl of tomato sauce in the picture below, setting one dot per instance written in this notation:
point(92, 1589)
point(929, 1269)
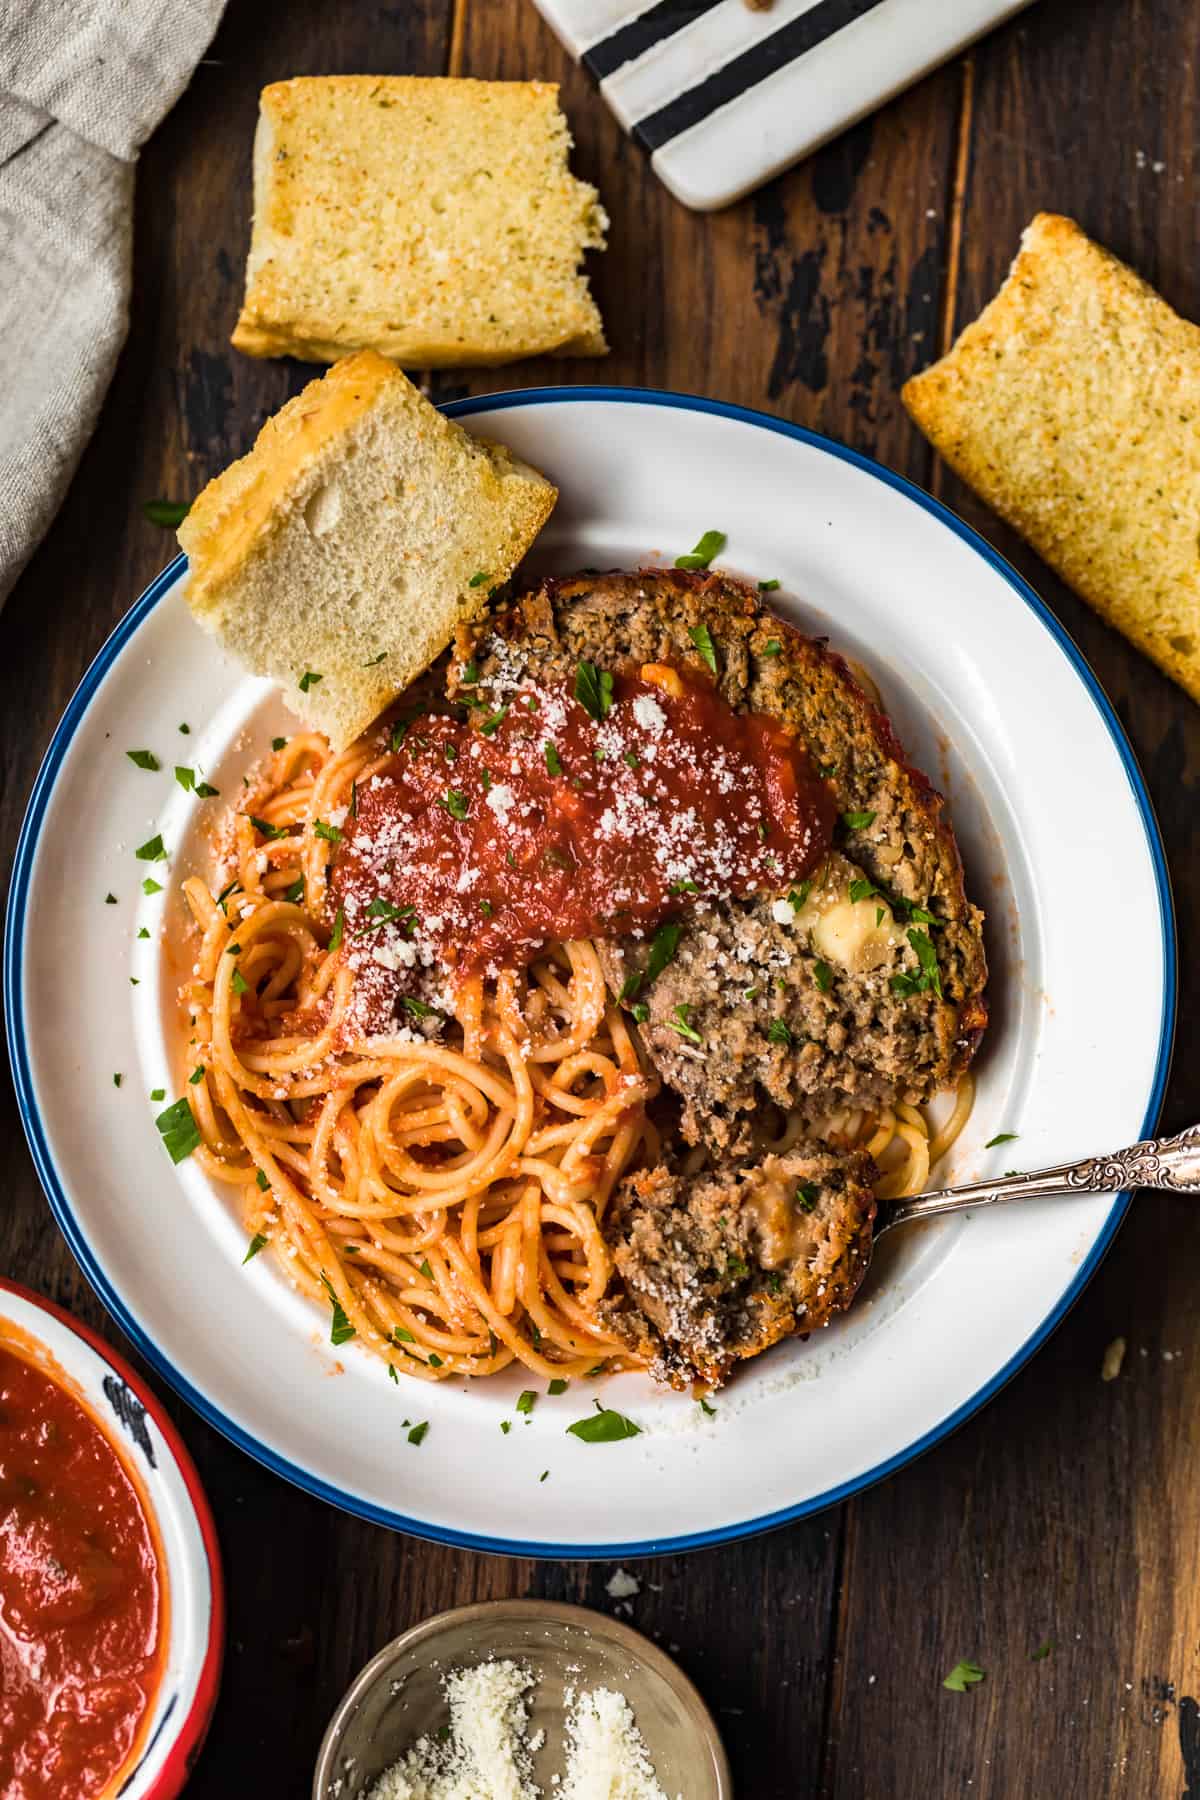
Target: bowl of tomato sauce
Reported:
point(112, 1612)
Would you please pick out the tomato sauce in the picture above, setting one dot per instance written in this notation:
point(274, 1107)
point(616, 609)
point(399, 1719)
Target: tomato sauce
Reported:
point(550, 817)
point(81, 1600)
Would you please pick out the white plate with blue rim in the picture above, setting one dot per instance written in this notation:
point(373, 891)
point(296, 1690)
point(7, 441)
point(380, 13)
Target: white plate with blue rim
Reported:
point(990, 697)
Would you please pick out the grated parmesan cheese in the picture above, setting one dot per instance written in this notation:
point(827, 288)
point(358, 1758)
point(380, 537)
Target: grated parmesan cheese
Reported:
point(487, 1752)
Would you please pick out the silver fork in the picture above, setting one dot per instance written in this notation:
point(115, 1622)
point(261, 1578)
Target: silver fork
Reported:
point(1172, 1164)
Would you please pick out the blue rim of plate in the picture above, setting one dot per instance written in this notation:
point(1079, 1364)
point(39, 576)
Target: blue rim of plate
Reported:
point(279, 1465)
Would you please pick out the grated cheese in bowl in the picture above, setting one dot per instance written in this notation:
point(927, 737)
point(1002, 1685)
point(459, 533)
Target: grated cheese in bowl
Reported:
point(487, 1751)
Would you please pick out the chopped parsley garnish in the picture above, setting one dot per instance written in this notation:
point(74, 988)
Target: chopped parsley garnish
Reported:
point(157, 1094)
point(963, 1676)
point(662, 950)
point(339, 926)
point(295, 893)
point(493, 721)
point(278, 743)
point(684, 887)
point(857, 821)
point(186, 730)
point(398, 731)
point(558, 1386)
point(772, 647)
point(919, 916)
point(392, 1375)
point(257, 1242)
point(309, 679)
point(145, 759)
point(749, 993)
point(775, 1282)
point(239, 984)
point(419, 1009)
point(486, 908)
point(710, 545)
point(736, 1269)
point(179, 1130)
point(779, 1032)
point(1002, 1137)
point(798, 896)
point(110, 899)
point(863, 890)
point(604, 1426)
point(641, 1012)
point(806, 1196)
point(543, 1476)
point(426, 1270)
point(478, 579)
point(435, 1361)
point(403, 1336)
point(631, 759)
point(768, 587)
point(116, 1081)
point(382, 912)
point(927, 957)
point(267, 830)
point(340, 1328)
point(235, 887)
point(552, 760)
point(679, 1021)
point(166, 512)
point(455, 803)
point(260, 1176)
point(701, 637)
point(594, 689)
point(526, 1401)
point(233, 949)
point(330, 833)
point(375, 660)
point(417, 1434)
point(470, 674)
point(152, 850)
point(506, 1426)
point(710, 1412)
point(823, 975)
point(878, 917)
point(142, 932)
point(196, 1076)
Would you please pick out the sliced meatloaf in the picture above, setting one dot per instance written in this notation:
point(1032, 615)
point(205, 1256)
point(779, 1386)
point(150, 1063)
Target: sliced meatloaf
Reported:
point(719, 1266)
point(863, 986)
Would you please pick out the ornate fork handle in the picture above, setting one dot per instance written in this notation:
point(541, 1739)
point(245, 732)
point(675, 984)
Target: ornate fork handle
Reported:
point(1170, 1163)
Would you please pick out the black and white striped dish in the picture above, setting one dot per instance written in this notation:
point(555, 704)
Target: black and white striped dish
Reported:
point(724, 96)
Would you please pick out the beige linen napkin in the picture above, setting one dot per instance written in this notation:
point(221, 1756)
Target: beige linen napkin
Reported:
point(83, 83)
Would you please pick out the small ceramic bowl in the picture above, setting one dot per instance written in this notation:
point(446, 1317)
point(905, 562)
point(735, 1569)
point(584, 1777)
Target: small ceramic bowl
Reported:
point(165, 1476)
point(398, 1696)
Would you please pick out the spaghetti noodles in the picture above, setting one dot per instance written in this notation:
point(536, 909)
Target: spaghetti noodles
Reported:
point(441, 1186)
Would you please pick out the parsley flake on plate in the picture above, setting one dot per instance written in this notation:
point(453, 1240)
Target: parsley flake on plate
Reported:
point(604, 1426)
point(340, 1328)
point(152, 850)
point(558, 1386)
point(1002, 1137)
point(417, 1434)
point(309, 679)
point(710, 545)
point(526, 1401)
point(702, 638)
point(594, 689)
point(179, 1131)
point(145, 759)
point(478, 579)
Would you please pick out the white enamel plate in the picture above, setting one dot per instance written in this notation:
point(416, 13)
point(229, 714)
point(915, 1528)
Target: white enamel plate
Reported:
point(1061, 850)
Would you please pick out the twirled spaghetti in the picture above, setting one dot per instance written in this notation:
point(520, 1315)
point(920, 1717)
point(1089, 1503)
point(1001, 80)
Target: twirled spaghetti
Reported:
point(442, 1193)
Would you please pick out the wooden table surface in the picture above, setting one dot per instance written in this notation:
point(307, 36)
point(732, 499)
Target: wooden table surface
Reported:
point(1067, 1510)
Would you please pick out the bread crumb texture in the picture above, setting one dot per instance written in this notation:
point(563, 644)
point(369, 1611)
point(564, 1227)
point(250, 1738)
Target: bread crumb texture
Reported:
point(434, 220)
point(1072, 405)
point(346, 548)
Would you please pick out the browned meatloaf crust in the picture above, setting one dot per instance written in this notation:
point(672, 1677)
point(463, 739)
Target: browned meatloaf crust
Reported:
point(719, 1266)
point(778, 1016)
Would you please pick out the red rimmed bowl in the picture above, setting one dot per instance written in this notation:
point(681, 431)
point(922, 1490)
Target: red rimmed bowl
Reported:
point(147, 1444)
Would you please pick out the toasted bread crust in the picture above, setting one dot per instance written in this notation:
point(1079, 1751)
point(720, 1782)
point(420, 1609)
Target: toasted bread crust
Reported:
point(1072, 406)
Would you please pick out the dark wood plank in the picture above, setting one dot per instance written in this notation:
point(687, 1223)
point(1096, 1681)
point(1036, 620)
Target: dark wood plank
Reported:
point(1067, 1511)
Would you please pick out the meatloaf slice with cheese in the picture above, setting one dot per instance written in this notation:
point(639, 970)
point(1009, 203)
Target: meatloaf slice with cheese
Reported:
point(718, 1266)
point(862, 987)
